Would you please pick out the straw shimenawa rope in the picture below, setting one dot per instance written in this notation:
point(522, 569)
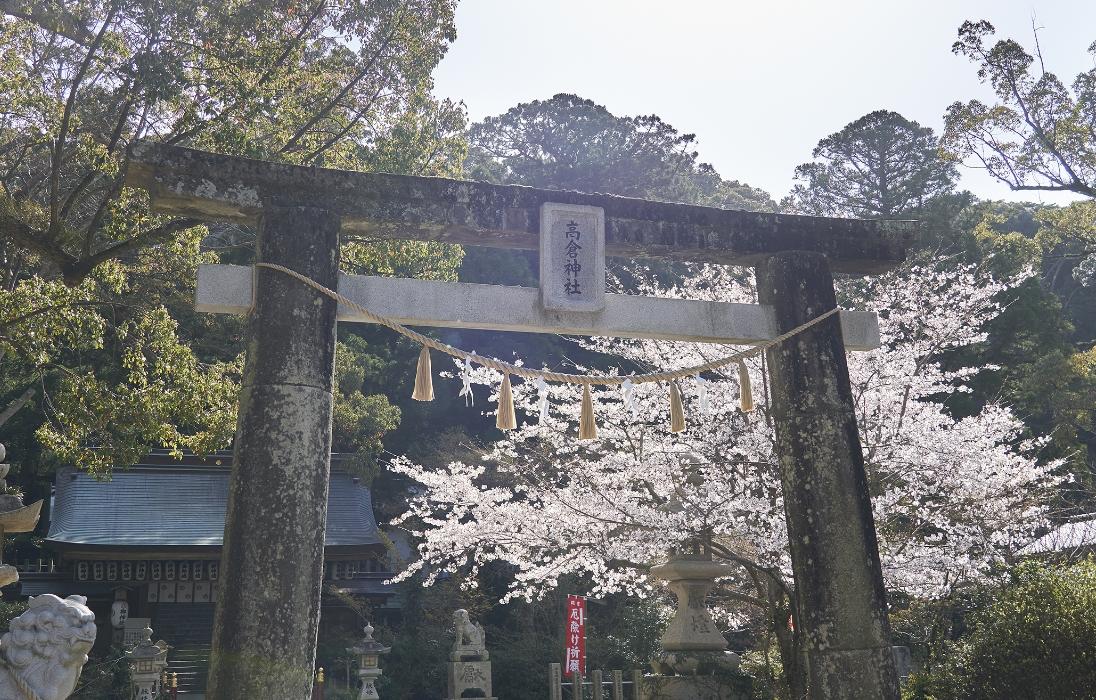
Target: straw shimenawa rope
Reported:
point(561, 377)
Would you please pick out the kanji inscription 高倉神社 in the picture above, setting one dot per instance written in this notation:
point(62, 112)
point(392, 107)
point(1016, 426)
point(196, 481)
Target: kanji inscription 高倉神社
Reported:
point(572, 257)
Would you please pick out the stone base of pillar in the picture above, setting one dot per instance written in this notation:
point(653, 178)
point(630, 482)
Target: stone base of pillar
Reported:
point(693, 688)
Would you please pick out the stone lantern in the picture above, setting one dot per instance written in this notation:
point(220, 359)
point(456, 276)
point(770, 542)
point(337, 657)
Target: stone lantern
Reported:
point(368, 651)
point(147, 662)
point(694, 651)
point(14, 517)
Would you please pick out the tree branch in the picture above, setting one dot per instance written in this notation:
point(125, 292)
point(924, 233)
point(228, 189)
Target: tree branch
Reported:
point(14, 406)
point(291, 144)
point(22, 234)
point(66, 117)
point(76, 272)
point(50, 18)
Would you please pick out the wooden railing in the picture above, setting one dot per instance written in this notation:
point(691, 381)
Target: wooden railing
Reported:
point(596, 687)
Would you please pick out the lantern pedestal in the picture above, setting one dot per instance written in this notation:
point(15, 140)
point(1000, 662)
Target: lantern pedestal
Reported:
point(694, 662)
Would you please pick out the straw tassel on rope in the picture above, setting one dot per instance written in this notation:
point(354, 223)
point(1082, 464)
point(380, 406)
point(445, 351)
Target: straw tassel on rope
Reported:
point(587, 427)
point(677, 411)
point(424, 384)
point(506, 420)
point(745, 389)
point(530, 374)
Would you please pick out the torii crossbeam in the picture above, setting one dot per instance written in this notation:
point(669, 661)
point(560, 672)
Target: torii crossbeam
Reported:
point(266, 623)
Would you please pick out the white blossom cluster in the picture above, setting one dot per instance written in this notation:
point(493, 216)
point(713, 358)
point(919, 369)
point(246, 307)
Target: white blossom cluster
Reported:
point(950, 496)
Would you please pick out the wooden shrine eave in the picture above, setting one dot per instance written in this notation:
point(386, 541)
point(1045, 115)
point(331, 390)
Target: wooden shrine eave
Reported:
point(214, 187)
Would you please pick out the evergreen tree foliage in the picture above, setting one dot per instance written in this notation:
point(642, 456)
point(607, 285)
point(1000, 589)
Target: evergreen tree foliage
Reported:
point(99, 339)
point(571, 143)
point(881, 166)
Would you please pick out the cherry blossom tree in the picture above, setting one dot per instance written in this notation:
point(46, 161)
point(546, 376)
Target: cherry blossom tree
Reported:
point(951, 496)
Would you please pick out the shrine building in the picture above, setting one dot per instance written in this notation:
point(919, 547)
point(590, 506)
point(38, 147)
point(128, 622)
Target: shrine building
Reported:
point(145, 548)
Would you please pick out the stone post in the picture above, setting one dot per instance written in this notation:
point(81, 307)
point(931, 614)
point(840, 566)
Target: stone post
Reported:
point(835, 557)
point(597, 685)
point(555, 682)
point(265, 628)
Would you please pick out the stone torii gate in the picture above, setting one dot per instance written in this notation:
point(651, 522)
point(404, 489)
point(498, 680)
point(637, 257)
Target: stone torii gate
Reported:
point(266, 623)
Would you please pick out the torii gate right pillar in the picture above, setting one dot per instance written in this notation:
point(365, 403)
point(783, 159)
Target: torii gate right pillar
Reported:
point(841, 602)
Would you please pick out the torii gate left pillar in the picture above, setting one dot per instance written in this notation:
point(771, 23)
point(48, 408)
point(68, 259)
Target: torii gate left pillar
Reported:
point(269, 590)
point(268, 611)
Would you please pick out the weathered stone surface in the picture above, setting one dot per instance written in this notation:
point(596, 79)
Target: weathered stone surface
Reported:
point(268, 592)
point(572, 257)
point(46, 648)
point(692, 627)
point(210, 186)
point(465, 676)
point(903, 662)
point(689, 688)
point(228, 289)
point(835, 556)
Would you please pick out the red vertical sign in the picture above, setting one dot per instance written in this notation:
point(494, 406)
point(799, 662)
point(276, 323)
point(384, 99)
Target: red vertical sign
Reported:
point(574, 628)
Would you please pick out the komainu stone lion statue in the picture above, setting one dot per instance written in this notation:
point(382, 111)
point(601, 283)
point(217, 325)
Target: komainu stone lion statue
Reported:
point(470, 643)
point(47, 647)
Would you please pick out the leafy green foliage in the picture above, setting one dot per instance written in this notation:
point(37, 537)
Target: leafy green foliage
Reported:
point(9, 610)
point(313, 83)
point(96, 288)
point(1067, 248)
point(1033, 641)
point(105, 677)
point(360, 420)
point(166, 397)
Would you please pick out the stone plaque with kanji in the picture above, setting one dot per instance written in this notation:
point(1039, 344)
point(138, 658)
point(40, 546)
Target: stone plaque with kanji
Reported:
point(572, 257)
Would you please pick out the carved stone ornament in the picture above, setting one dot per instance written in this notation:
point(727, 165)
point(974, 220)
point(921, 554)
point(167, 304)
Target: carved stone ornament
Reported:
point(470, 643)
point(42, 655)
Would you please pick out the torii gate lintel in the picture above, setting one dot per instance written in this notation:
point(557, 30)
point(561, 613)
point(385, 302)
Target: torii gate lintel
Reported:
point(269, 592)
point(214, 187)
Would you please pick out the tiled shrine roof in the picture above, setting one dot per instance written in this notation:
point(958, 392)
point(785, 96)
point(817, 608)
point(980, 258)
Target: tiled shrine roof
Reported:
point(1074, 535)
point(166, 504)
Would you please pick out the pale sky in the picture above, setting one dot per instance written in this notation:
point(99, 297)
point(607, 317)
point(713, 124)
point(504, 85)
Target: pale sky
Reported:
point(758, 82)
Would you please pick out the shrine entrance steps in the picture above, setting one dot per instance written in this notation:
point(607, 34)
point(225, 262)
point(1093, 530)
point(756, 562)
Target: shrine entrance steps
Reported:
point(188, 628)
point(192, 665)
